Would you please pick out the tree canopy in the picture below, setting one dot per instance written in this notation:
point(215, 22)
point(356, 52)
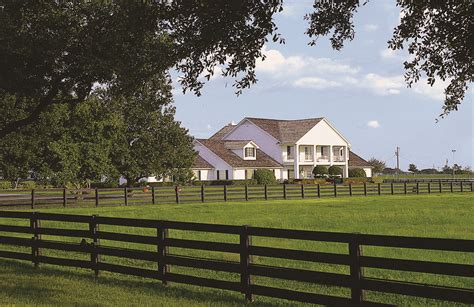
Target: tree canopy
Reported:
point(102, 138)
point(57, 51)
point(377, 165)
point(437, 34)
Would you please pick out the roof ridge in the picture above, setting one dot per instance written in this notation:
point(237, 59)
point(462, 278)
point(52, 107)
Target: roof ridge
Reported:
point(285, 120)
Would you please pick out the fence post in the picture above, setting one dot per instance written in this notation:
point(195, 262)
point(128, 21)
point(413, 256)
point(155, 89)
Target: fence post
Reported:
point(246, 192)
point(405, 187)
point(452, 187)
point(379, 189)
point(462, 188)
point(440, 187)
point(266, 191)
point(225, 192)
point(365, 188)
point(302, 190)
point(417, 187)
point(429, 187)
point(319, 190)
point(202, 193)
point(350, 189)
point(35, 250)
point(391, 188)
point(245, 260)
point(64, 197)
point(335, 189)
point(284, 191)
point(96, 197)
point(125, 195)
point(162, 235)
point(355, 251)
point(153, 196)
point(94, 228)
point(472, 186)
point(176, 192)
point(32, 198)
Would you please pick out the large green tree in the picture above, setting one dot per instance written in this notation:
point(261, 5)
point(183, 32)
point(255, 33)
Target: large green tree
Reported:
point(56, 51)
point(77, 142)
point(150, 142)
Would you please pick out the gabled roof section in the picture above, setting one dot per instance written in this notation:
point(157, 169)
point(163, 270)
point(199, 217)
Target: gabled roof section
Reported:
point(221, 133)
point(239, 144)
point(357, 161)
point(200, 163)
point(219, 148)
point(285, 131)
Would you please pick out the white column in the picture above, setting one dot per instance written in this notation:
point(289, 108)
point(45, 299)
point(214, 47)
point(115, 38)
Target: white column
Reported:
point(296, 165)
point(314, 154)
point(330, 154)
point(346, 161)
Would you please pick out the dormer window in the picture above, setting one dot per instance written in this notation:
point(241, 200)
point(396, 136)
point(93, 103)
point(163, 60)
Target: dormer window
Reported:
point(249, 152)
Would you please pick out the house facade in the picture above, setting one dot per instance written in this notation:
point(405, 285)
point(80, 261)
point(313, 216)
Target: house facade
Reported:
point(290, 148)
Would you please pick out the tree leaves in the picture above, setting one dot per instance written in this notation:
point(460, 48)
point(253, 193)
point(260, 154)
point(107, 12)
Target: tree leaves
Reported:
point(438, 35)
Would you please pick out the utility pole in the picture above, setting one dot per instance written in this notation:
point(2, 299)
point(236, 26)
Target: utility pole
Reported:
point(453, 150)
point(397, 153)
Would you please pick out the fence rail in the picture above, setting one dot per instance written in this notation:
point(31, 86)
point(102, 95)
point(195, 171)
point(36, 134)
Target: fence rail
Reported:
point(246, 268)
point(194, 194)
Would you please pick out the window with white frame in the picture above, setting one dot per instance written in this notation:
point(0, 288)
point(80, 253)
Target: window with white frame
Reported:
point(249, 152)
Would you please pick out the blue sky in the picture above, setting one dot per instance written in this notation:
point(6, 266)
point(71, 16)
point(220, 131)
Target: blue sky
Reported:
point(360, 89)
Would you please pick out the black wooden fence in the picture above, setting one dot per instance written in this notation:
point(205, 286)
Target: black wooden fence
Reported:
point(423, 180)
point(245, 268)
point(193, 194)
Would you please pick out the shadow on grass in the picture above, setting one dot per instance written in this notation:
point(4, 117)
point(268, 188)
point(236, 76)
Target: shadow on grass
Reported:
point(24, 284)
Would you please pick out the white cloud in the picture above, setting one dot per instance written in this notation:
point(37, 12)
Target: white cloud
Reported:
point(389, 54)
point(435, 92)
point(324, 73)
point(278, 65)
point(370, 27)
point(315, 83)
point(208, 127)
point(382, 85)
point(373, 124)
point(288, 10)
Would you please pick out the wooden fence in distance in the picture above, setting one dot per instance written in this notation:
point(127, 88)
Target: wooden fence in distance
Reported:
point(245, 268)
point(193, 194)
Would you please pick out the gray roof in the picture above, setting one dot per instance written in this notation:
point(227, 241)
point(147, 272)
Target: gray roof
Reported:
point(357, 161)
point(223, 131)
point(219, 148)
point(286, 131)
point(200, 163)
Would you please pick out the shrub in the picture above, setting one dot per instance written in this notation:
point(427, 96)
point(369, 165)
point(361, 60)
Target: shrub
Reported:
point(27, 185)
point(160, 184)
point(264, 176)
point(309, 181)
point(355, 180)
point(320, 171)
point(224, 182)
point(5, 185)
point(104, 185)
point(377, 179)
point(357, 172)
point(335, 170)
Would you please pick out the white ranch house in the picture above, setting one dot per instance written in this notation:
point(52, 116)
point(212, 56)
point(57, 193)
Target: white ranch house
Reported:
point(291, 148)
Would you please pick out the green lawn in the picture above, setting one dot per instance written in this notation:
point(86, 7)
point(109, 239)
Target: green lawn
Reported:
point(443, 216)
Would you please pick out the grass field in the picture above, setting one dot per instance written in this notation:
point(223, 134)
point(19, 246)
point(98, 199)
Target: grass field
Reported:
point(442, 216)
